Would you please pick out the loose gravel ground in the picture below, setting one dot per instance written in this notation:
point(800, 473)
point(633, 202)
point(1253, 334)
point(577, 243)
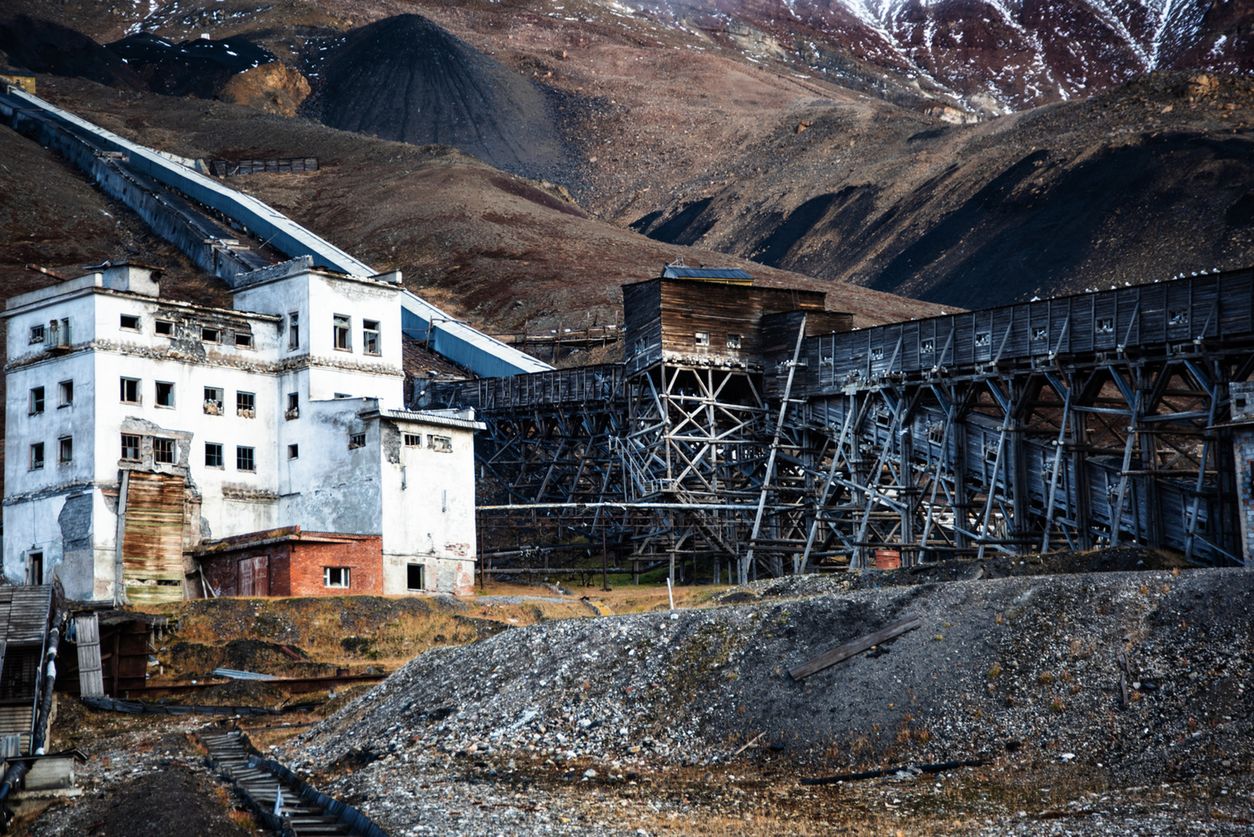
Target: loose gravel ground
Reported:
point(590, 725)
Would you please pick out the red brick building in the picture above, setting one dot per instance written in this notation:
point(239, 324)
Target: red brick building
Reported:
point(291, 562)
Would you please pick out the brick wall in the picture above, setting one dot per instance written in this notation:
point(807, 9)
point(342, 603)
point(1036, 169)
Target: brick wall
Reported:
point(363, 557)
point(295, 567)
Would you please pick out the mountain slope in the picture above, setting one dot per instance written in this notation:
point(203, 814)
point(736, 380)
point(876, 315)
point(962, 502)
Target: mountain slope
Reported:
point(405, 78)
point(1140, 183)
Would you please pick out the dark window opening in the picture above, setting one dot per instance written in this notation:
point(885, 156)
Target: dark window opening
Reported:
point(163, 450)
point(415, 577)
point(36, 401)
point(165, 394)
point(342, 333)
point(130, 322)
point(213, 455)
point(245, 459)
point(164, 327)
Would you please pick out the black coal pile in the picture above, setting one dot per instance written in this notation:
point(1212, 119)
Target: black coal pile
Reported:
point(196, 68)
point(45, 47)
point(405, 78)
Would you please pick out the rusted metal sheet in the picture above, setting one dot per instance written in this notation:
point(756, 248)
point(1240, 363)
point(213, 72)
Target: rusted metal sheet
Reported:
point(152, 541)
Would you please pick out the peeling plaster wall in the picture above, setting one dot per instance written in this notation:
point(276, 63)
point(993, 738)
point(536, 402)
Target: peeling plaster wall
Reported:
point(421, 501)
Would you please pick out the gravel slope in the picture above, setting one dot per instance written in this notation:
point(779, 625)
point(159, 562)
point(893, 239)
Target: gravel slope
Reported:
point(1022, 670)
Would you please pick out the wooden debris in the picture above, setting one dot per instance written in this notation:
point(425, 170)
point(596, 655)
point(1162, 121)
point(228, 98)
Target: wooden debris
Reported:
point(934, 767)
point(832, 656)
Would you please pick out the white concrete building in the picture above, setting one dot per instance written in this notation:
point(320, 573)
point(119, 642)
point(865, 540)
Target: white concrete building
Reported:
point(140, 427)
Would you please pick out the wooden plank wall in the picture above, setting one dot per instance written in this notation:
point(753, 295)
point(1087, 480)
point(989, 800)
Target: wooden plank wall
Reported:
point(152, 541)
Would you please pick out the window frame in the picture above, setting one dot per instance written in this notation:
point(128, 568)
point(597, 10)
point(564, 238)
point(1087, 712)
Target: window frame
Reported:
point(293, 330)
point(371, 335)
point(137, 447)
point(293, 406)
point(163, 447)
point(136, 324)
point(65, 393)
point(246, 412)
point(240, 451)
point(293, 451)
point(65, 450)
point(157, 401)
point(735, 341)
point(210, 334)
point(163, 328)
point(36, 401)
point(356, 440)
point(137, 383)
point(33, 462)
point(422, 577)
point(42, 331)
point(701, 338)
point(342, 326)
point(416, 437)
point(439, 443)
point(346, 578)
point(210, 404)
point(243, 340)
point(219, 452)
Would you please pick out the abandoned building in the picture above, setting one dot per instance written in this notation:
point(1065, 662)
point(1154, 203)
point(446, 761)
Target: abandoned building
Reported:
point(750, 432)
point(143, 432)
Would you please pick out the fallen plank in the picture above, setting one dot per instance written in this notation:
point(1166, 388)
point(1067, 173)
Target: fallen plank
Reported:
point(832, 656)
point(934, 767)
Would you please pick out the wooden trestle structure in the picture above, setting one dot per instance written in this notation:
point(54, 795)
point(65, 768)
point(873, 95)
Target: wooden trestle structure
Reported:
point(749, 431)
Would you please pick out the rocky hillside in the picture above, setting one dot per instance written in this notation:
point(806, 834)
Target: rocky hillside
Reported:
point(1021, 672)
point(996, 55)
point(1140, 183)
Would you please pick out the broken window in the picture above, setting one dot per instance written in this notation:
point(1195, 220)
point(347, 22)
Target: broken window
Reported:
point(701, 338)
point(293, 330)
point(65, 449)
point(983, 339)
point(877, 353)
point(37, 334)
point(440, 444)
point(164, 327)
point(129, 391)
point(357, 440)
point(130, 447)
point(927, 347)
point(293, 406)
point(65, 393)
point(213, 454)
point(1105, 325)
point(335, 577)
point(342, 333)
point(293, 451)
point(243, 340)
point(413, 440)
point(733, 341)
point(165, 394)
point(211, 335)
point(37, 456)
point(1178, 317)
point(370, 337)
point(246, 404)
point(59, 332)
point(245, 459)
point(36, 401)
point(1040, 333)
point(213, 401)
point(163, 450)
point(415, 577)
point(130, 322)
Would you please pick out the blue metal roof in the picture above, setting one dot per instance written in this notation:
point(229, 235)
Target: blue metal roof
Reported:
point(680, 272)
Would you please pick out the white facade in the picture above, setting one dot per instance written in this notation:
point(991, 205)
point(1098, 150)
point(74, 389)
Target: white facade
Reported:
point(286, 410)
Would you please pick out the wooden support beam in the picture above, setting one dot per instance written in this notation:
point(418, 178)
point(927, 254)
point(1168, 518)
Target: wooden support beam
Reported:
point(844, 651)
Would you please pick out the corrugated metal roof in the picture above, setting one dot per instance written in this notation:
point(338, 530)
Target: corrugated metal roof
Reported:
point(24, 614)
point(434, 418)
point(681, 272)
